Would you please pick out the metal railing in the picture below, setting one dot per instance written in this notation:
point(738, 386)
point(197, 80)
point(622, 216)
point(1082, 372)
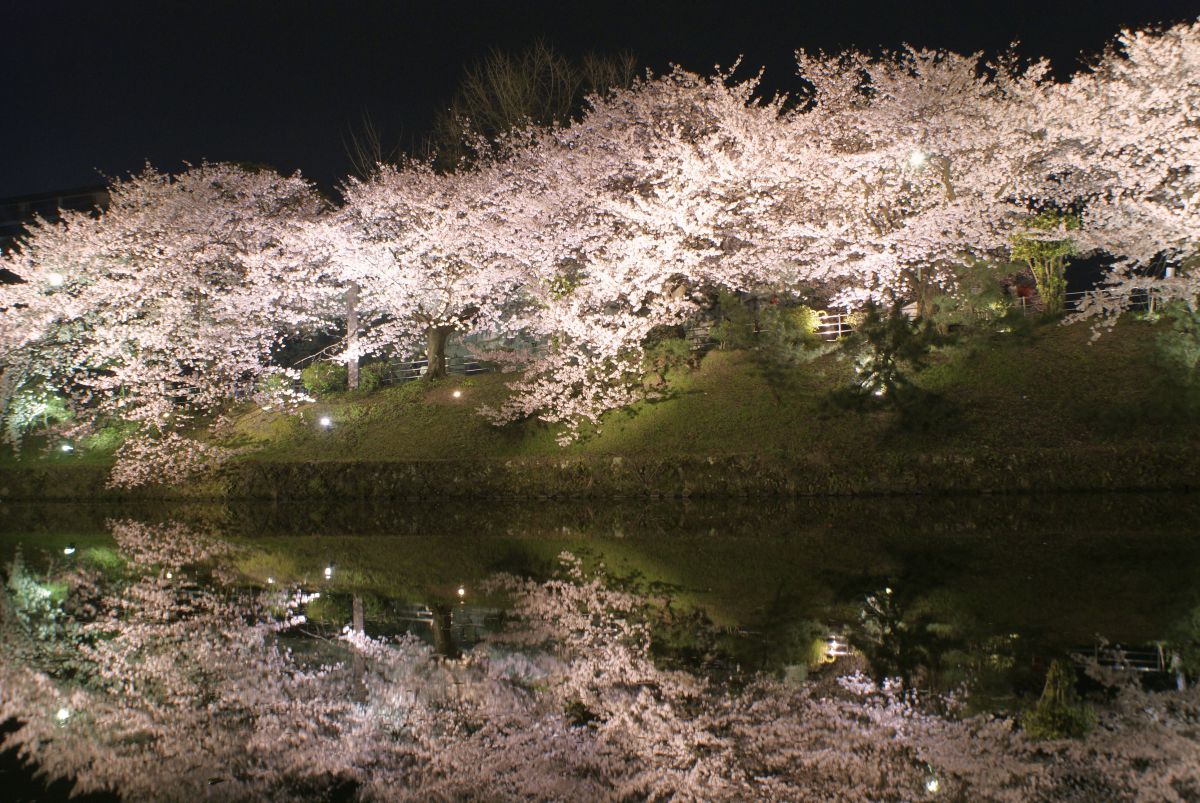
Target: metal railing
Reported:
point(406, 370)
point(1141, 301)
point(1141, 658)
point(835, 325)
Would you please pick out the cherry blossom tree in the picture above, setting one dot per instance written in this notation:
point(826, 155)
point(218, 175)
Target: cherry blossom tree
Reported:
point(1134, 120)
point(427, 253)
point(167, 305)
point(660, 191)
point(936, 163)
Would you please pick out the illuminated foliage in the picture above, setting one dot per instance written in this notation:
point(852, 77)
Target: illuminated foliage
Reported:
point(1044, 245)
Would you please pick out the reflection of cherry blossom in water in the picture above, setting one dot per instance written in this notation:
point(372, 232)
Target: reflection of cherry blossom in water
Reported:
point(181, 688)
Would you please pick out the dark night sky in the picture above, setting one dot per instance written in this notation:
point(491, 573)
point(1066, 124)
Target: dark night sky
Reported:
point(103, 86)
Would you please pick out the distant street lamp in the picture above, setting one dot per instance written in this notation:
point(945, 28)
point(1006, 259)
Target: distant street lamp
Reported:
point(457, 394)
point(66, 448)
point(326, 422)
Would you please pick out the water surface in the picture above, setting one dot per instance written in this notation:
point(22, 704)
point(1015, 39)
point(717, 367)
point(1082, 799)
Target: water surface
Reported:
point(956, 606)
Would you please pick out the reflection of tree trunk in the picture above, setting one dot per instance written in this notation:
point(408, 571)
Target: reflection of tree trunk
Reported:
point(352, 336)
point(357, 613)
point(360, 665)
point(443, 636)
point(435, 350)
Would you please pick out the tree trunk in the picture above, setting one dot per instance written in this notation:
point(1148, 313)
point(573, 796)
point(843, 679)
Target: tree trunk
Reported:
point(1050, 277)
point(352, 336)
point(922, 296)
point(435, 351)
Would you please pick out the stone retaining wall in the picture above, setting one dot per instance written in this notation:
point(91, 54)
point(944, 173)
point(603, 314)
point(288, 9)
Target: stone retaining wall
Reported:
point(1164, 468)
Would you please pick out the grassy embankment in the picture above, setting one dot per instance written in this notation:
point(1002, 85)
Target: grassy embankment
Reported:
point(1046, 409)
point(1050, 388)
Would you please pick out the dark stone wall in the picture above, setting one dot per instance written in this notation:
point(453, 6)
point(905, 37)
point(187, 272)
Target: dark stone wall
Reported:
point(1174, 468)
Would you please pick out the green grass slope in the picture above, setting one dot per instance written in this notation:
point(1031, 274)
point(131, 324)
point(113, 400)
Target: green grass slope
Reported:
point(1050, 388)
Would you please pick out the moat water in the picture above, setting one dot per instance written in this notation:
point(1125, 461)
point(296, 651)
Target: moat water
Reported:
point(175, 614)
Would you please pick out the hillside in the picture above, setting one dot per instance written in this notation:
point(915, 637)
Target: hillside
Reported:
point(1051, 387)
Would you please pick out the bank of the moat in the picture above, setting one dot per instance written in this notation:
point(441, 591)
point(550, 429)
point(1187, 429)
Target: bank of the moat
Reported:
point(1043, 412)
point(1017, 471)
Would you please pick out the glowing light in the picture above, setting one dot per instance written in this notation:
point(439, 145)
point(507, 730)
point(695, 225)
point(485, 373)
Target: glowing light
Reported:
point(55, 279)
point(462, 592)
point(169, 575)
point(916, 159)
point(66, 448)
point(887, 590)
point(326, 422)
point(62, 714)
point(932, 785)
point(270, 581)
point(69, 549)
point(329, 571)
point(457, 394)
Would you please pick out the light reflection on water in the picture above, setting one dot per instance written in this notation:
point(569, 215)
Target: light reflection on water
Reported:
point(461, 633)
